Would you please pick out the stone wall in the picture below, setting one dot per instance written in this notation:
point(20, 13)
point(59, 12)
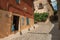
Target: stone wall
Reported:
point(6, 19)
point(5, 23)
point(36, 5)
point(45, 4)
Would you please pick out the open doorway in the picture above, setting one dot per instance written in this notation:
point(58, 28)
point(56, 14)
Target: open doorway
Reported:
point(16, 22)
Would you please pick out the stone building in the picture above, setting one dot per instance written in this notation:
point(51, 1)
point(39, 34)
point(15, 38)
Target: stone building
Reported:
point(40, 6)
point(43, 6)
point(15, 12)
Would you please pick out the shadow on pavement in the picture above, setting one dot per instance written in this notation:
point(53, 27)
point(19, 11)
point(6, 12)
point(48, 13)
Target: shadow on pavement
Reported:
point(55, 32)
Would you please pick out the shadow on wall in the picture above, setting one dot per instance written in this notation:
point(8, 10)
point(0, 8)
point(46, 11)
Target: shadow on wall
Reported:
point(55, 32)
point(53, 18)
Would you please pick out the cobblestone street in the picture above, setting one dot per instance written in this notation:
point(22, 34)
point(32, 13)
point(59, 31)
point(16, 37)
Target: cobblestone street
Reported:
point(43, 32)
point(29, 20)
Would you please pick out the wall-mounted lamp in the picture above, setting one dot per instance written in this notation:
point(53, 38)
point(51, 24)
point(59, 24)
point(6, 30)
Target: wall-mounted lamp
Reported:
point(24, 8)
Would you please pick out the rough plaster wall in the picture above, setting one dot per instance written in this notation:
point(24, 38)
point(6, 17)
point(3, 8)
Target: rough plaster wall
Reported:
point(5, 23)
point(47, 7)
point(36, 4)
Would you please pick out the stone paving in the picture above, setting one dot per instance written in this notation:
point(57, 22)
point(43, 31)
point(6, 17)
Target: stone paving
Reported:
point(47, 31)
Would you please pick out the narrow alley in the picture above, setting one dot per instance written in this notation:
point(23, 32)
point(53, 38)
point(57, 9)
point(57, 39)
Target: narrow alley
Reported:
point(42, 32)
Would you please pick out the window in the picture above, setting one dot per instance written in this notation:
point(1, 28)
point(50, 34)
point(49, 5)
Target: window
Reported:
point(18, 1)
point(27, 20)
point(22, 21)
point(40, 6)
point(25, 1)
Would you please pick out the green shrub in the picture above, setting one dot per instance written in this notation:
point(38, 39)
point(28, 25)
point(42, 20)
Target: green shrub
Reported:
point(38, 17)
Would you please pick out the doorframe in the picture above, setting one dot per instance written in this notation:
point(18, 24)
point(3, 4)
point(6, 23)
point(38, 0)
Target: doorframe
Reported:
point(19, 27)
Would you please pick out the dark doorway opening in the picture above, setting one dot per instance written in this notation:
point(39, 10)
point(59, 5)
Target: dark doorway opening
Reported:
point(16, 22)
